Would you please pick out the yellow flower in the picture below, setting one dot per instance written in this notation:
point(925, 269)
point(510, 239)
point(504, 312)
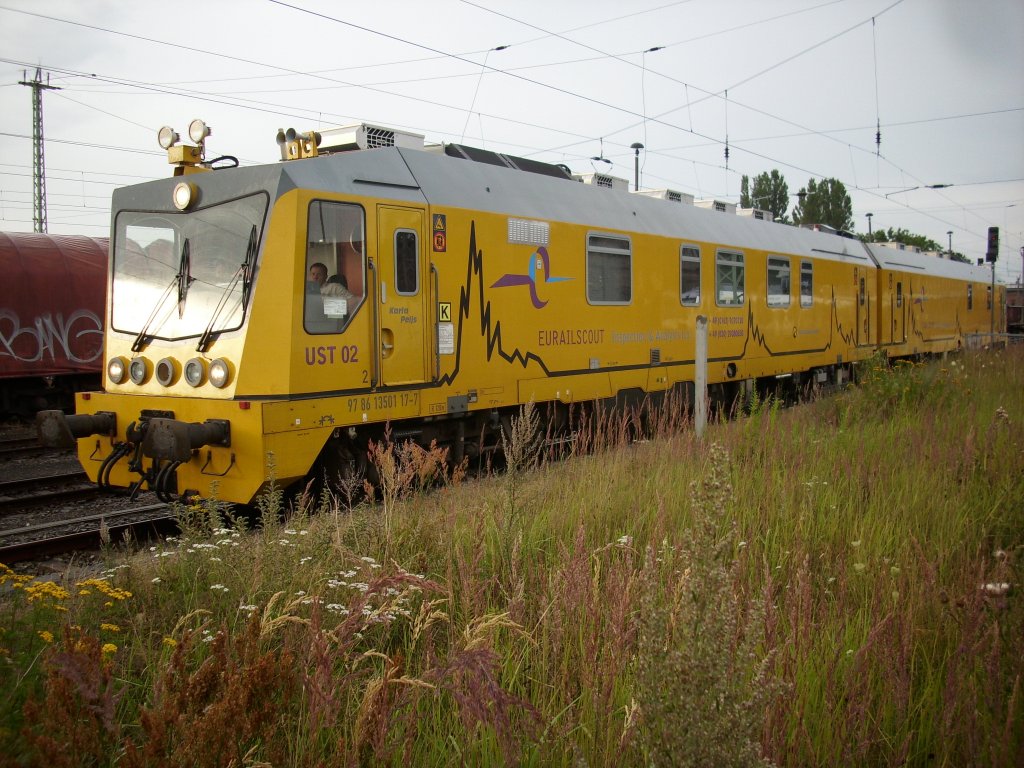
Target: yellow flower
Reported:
point(41, 589)
point(170, 642)
point(100, 585)
point(47, 636)
point(110, 627)
point(108, 648)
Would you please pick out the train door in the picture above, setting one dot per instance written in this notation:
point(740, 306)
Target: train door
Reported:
point(863, 308)
point(899, 315)
point(858, 279)
point(401, 296)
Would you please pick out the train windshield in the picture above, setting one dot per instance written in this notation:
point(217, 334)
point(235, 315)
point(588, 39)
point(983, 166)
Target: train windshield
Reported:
point(183, 275)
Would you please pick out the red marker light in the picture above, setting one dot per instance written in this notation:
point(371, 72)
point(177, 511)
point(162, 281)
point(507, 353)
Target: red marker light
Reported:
point(244, 405)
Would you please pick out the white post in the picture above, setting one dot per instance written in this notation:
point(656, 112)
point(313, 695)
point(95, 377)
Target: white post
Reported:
point(700, 377)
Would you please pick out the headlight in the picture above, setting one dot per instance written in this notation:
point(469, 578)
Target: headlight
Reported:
point(167, 371)
point(195, 372)
point(220, 373)
point(138, 370)
point(167, 137)
point(184, 195)
point(198, 130)
point(117, 370)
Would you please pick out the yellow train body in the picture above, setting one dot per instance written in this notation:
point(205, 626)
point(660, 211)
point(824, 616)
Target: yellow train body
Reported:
point(463, 290)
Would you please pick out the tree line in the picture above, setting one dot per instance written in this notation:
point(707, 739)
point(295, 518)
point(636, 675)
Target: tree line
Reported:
point(822, 202)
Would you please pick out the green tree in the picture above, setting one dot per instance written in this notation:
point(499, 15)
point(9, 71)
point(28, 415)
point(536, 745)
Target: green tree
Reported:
point(825, 203)
point(771, 193)
point(745, 201)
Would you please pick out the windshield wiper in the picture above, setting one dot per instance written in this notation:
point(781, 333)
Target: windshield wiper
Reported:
point(243, 273)
point(182, 280)
point(184, 276)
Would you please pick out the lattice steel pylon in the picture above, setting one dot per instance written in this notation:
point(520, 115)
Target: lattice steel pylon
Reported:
point(38, 162)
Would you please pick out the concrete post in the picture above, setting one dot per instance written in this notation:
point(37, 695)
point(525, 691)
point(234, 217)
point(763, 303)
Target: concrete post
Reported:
point(700, 377)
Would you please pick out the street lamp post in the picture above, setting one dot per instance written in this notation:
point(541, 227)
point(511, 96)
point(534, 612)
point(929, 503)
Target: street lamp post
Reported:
point(636, 146)
point(950, 251)
point(869, 215)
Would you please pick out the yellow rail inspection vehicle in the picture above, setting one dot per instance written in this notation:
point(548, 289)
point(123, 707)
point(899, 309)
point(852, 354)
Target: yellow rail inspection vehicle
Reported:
point(294, 310)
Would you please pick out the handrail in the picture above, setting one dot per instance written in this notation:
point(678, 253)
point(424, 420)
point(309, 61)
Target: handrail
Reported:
point(437, 324)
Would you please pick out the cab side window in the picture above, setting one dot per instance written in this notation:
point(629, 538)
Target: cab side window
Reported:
point(335, 266)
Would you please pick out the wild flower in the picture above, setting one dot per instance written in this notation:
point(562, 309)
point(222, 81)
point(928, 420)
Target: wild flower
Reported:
point(46, 635)
point(115, 593)
point(43, 589)
point(110, 627)
point(156, 580)
point(6, 574)
point(108, 648)
point(170, 642)
point(218, 588)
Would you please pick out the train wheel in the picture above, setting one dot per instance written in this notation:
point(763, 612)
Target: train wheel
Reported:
point(340, 470)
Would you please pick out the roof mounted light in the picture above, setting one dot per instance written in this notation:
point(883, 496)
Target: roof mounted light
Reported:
point(167, 137)
point(198, 131)
point(184, 195)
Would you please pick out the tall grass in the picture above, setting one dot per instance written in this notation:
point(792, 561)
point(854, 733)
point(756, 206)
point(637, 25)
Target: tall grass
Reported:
point(832, 584)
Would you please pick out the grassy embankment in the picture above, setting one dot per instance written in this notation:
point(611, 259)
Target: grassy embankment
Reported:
point(816, 586)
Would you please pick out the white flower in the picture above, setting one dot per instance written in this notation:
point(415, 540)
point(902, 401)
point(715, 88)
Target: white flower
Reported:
point(304, 560)
point(156, 580)
point(218, 587)
point(290, 531)
point(624, 541)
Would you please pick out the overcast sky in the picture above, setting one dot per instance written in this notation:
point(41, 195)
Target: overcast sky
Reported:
point(797, 85)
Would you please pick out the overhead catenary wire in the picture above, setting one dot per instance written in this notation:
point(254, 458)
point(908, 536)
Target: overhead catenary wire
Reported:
point(732, 140)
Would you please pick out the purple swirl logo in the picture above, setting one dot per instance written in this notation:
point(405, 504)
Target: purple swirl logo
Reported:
point(539, 262)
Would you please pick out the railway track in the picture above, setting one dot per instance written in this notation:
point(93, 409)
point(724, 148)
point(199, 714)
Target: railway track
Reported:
point(40, 540)
point(48, 506)
point(23, 446)
point(27, 492)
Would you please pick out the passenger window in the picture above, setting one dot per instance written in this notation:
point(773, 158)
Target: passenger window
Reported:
point(729, 279)
point(335, 268)
point(609, 270)
point(778, 282)
point(806, 283)
point(689, 276)
point(970, 296)
point(988, 294)
point(407, 270)
point(899, 294)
